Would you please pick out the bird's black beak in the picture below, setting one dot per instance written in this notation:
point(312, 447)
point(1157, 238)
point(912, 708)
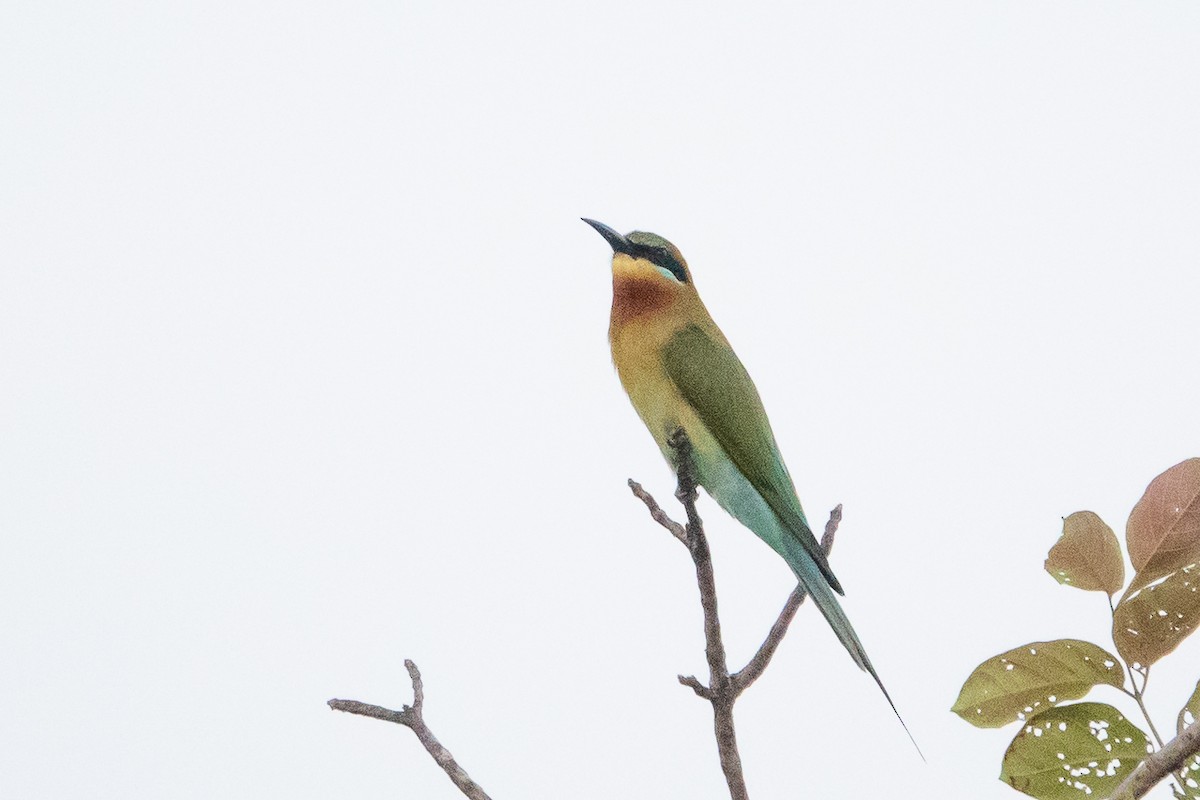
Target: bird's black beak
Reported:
point(616, 241)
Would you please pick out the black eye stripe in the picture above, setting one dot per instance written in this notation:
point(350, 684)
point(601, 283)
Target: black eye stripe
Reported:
point(661, 257)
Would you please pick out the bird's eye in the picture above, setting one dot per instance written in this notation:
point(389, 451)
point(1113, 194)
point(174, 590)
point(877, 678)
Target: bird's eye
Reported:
point(661, 257)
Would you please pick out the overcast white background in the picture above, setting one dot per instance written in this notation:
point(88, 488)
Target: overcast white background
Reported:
point(304, 372)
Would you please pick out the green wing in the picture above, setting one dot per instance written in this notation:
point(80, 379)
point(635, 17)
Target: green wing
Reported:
point(713, 381)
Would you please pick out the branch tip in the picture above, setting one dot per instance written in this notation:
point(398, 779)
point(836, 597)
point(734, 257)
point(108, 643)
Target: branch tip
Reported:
point(418, 686)
point(656, 512)
point(696, 686)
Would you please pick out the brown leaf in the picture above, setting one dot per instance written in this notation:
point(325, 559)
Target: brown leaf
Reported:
point(1150, 622)
point(1163, 532)
point(1087, 555)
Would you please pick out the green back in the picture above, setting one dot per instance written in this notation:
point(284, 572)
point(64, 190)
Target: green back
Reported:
point(713, 381)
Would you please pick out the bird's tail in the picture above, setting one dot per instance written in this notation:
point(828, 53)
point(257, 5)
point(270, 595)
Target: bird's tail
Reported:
point(813, 582)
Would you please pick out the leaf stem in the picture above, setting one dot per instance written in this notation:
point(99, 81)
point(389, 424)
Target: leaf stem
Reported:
point(1138, 697)
point(1137, 693)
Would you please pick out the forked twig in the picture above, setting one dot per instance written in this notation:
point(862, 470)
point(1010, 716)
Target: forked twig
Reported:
point(412, 717)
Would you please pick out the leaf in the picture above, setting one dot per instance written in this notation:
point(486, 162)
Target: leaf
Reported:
point(1023, 681)
point(1189, 773)
point(1087, 555)
point(1074, 751)
point(1151, 622)
point(1163, 532)
point(1190, 711)
point(1189, 777)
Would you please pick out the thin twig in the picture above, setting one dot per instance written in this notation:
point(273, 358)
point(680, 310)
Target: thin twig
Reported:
point(412, 717)
point(1142, 705)
point(693, 683)
point(1168, 760)
point(720, 688)
point(656, 512)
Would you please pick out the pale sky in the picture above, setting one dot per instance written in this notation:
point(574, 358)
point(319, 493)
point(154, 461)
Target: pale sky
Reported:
point(305, 373)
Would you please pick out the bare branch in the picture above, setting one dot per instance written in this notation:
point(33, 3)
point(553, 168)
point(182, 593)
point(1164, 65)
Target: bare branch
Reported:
point(402, 717)
point(835, 519)
point(693, 683)
point(412, 717)
point(719, 692)
point(418, 685)
point(656, 512)
point(1170, 759)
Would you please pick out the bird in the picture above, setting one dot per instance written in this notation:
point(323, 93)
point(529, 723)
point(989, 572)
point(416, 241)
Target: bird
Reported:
point(681, 374)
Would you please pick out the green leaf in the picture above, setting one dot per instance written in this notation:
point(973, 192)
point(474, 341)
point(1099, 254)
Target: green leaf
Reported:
point(1189, 777)
point(1152, 621)
point(1026, 679)
point(1087, 555)
point(1074, 751)
point(1163, 532)
point(1189, 774)
point(1190, 713)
